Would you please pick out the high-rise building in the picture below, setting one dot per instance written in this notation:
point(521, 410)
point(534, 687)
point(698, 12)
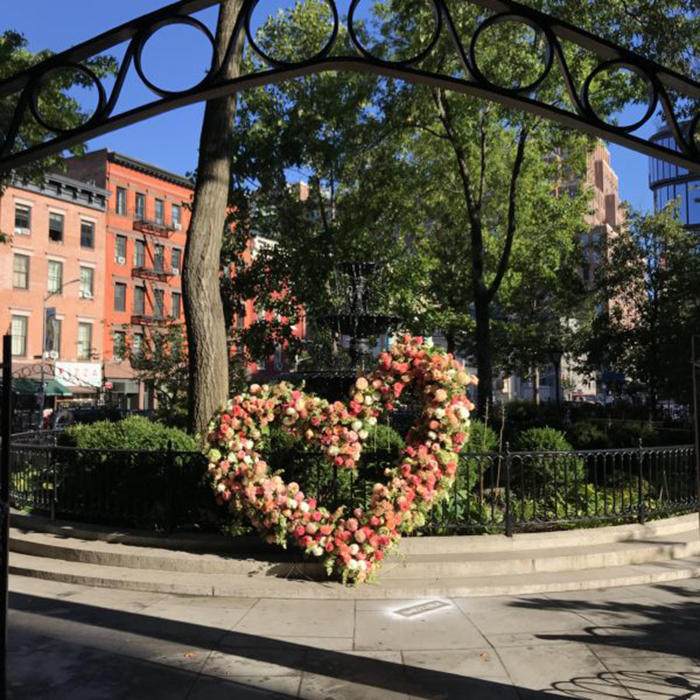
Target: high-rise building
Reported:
point(52, 281)
point(146, 224)
point(671, 182)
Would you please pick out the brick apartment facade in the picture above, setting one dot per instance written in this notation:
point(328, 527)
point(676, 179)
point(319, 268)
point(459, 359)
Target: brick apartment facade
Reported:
point(54, 262)
point(145, 233)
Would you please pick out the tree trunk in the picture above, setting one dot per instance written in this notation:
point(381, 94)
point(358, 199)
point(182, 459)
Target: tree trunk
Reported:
point(204, 312)
point(535, 384)
point(484, 369)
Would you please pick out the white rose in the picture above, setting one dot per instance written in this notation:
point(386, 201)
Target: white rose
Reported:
point(354, 549)
point(368, 400)
point(363, 434)
point(333, 450)
point(221, 488)
point(372, 420)
point(362, 564)
point(291, 503)
point(290, 411)
point(352, 564)
point(439, 413)
point(317, 551)
point(357, 425)
point(304, 507)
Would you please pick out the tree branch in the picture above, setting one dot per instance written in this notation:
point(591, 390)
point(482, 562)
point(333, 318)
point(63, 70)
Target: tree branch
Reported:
point(511, 225)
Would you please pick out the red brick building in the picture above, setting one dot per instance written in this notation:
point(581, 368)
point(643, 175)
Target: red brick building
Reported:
point(146, 223)
point(53, 266)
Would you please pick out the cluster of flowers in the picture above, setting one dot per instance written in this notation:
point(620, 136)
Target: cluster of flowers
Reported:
point(353, 546)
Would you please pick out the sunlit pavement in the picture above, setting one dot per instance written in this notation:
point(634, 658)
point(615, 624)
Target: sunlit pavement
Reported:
point(74, 642)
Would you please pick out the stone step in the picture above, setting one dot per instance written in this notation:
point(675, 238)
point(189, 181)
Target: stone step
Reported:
point(254, 546)
point(256, 586)
point(400, 566)
point(101, 553)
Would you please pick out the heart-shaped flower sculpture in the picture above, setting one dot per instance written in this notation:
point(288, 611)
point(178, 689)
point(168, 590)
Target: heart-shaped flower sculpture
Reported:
point(352, 546)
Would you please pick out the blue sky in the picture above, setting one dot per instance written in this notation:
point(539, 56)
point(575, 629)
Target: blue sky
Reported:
point(171, 140)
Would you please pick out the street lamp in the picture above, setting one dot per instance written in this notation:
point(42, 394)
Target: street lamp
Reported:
point(42, 389)
point(555, 355)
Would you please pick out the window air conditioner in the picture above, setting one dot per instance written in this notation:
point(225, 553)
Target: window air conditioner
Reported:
point(177, 227)
point(86, 295)
point(121, 260)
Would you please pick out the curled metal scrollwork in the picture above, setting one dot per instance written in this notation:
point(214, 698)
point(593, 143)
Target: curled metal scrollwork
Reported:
point(26, 87)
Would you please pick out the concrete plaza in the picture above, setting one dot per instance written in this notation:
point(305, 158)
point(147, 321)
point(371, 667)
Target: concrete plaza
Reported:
point(77, 643)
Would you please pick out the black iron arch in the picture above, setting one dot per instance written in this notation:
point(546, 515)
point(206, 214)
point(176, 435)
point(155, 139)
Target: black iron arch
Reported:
point(26, 86)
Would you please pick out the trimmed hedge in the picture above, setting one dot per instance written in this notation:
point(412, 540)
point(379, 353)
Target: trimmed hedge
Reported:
point(132, 433)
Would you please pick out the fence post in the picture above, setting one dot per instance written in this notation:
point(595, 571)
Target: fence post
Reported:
point(641, 510)
point(167, 474)
point(54, 485)
point(508, 513)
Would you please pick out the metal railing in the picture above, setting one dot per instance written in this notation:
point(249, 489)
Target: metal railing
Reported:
point(493, 492)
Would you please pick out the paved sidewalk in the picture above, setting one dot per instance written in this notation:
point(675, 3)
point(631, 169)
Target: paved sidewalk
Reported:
point(79, 643)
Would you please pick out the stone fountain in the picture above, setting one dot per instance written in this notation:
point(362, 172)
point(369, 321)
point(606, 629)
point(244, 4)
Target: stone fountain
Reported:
point(358, 319)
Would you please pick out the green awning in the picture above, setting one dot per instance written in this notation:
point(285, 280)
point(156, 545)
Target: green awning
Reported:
point(31, 387)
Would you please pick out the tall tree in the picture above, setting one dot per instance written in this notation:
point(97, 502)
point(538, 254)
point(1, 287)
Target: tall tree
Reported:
point(493, 153)
point(487, 161)
point(649, 292)
point(204, 312)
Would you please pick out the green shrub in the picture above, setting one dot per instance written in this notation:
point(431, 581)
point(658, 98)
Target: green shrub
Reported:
point(629, 434)
point(482, 438)
point(587, 436)
point(548, 477)
point(132, 433)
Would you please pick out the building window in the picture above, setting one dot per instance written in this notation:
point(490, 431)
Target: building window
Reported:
point(53, 336)
point(84, 341)
point(23, 218)
point(120, 250)
point(87, 234)
point(20, 271)
point(158, 257)
point(139, 300)
point(175, 305)
point(87, 282)
point(176, 260)
point(138, 343)
point(160, 211)
point(55, 284)
point(139, 254)
point(140, 206)
point(19, 336)
point(586, 273)
point(56, 227)
point(119, 296)
point(121, 201)
point(118, 344)
point(159, 303)
point(177, 220)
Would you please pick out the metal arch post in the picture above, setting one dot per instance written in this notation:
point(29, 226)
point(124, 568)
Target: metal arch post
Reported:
point(696, 421)
point(6, 435)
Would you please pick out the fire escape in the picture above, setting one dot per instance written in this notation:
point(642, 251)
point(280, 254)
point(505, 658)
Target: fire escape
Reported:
point(152, 271)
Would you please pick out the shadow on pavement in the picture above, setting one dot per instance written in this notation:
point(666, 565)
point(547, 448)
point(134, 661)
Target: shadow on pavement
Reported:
point(146, 679)
point(633, 684)
point(663, 628)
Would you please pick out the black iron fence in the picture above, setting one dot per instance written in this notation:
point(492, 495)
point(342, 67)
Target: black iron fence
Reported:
point(493, 492)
